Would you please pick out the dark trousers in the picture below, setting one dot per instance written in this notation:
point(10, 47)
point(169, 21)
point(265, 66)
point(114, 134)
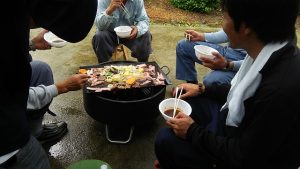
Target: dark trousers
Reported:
point(31, 155)
point(176, 153)
point(41, 75)
point(105, 42)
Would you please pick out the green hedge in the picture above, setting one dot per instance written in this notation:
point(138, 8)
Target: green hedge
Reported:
point(203, 6)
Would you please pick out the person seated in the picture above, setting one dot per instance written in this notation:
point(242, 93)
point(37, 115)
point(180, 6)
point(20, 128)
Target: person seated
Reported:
point(114, 13)
point(41, 93)
point(254, 122)
point(186, 58)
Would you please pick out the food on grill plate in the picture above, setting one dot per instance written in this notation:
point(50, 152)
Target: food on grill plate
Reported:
point(112, 77)
point(82, 71)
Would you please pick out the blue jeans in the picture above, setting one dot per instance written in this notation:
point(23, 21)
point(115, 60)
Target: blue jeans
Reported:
point(186, 59)
point(175, 153)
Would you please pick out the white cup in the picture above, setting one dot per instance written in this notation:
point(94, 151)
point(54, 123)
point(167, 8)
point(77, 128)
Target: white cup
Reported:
point(168, 104)
point(202, 51)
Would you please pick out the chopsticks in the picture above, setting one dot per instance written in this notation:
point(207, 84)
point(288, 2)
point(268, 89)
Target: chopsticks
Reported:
point(177, 98)
point(188, 36)
point(125, 9)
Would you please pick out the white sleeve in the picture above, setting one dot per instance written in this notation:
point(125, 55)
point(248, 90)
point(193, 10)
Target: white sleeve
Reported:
point(40, 96)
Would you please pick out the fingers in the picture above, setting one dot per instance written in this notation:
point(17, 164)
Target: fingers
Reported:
point(47, 46)
point(217, 54)
point(185, 95)
point(188, 36)
point(207, 60)
point(189, 31)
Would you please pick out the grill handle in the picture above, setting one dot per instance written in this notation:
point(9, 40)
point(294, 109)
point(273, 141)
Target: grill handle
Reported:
point(165, 69)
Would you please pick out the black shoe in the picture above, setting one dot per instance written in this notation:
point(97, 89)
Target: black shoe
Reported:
point(53, 132)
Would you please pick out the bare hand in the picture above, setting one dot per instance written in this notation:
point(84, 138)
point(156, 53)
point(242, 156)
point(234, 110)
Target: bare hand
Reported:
point(180, 124)
point(219, 62)
point(194, 36)
point(133, 33)
point(189, 90)
point(72, 83)
point(114, 4)
point(39, 41)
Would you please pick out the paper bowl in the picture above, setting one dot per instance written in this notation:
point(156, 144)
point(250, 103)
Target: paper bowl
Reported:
point(202, 51)
point(168, 104)
point(123, 31)
point(53, 40)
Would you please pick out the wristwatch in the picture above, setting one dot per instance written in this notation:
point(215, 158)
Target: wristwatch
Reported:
point(201, 88)
point(229, 65)
point(31, 46)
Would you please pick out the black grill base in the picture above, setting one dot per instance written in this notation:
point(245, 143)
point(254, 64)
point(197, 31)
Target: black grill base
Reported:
point(121, 110)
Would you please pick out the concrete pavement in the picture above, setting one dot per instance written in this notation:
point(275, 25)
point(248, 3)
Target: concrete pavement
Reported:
point(86, 139)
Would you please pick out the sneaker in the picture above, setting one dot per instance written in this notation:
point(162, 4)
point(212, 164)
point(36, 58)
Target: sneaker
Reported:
point(53, 132)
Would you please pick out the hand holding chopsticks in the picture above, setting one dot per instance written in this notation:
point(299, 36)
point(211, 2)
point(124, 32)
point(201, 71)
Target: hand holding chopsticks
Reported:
point(115, 4)
point(176, 100)
point(188, 36)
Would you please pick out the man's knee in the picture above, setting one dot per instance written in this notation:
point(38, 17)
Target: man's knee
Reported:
point(184, 48)
point(142, 47)
point(40, 67)
point(164, 138)
point(218, 78)
point(181, 44)
point(97, 39)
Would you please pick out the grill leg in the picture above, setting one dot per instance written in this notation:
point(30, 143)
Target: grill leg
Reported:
point(118, 141)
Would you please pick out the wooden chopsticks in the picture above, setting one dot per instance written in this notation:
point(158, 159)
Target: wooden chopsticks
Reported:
point(125, 9)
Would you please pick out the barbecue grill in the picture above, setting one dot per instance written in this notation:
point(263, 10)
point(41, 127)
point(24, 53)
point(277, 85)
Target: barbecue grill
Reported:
point(125, 108)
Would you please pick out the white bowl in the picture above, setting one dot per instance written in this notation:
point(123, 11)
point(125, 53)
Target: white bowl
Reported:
point(123, 31)
point(168, 104)
point(53, 40)
point(202, 51)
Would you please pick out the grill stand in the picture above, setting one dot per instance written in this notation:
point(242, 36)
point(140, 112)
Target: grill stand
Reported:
point(118, 141)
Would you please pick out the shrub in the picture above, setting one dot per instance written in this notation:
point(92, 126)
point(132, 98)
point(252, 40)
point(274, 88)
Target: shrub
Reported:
point(203, 6)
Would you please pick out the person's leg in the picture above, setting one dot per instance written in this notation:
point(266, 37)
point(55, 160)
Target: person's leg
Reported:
point(218, 77)
point(232, 55)
point(41, 74)
point(104, 44)
point(32, 155)
point(140, 47)
point(221, 77)
point(45, 133)
point(206, 112)
point(186, 59)
point(175, 153)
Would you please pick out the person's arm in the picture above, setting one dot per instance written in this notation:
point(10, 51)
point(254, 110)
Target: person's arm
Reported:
point(216, 37)
point(38, 42)
point(42, 95)
point(220, 63)
point(260, 136)
point(142, 22)
point(236, 65)
point(105, 17)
